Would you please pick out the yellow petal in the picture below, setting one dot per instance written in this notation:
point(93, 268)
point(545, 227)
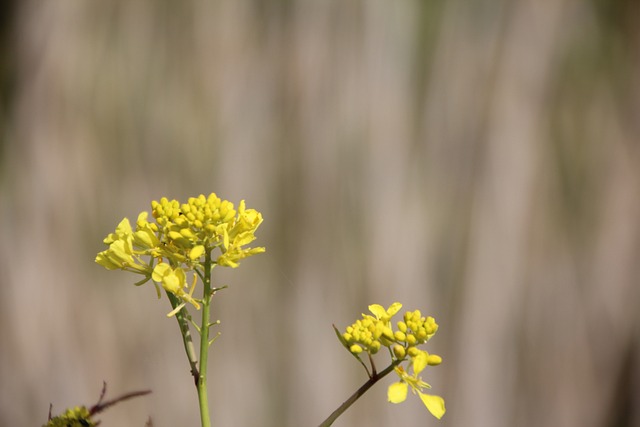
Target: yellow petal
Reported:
point(225, 238)
point(377, 310)
point(142, 219)
point(124, 228)
point(120, 253)
point(435, 404)
point(171, 282)
point(160, 271)
point(104, 260)
point(394, 308)
point(420, 362)
point(182, 277)
point(397, 392)
point(145, 239)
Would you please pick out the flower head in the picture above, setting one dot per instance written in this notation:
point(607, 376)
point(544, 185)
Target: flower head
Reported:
point(371, 333)
point(74, 417)
point(182, 237)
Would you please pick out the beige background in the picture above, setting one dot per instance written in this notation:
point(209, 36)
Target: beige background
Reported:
point(474, 159)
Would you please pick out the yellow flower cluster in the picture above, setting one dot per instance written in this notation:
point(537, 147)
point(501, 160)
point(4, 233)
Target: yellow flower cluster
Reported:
point(191, 229)
point(373, 332)
point(182, 236)
point(75, 417)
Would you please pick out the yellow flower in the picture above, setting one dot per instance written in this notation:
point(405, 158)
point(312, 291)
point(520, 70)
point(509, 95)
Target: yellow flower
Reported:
point(182, 234)
point(180, 239)
point(74, 417)
point(174, 281)
point(234, 254)
point(397, 392)
point(121, 254)
point(385, 315)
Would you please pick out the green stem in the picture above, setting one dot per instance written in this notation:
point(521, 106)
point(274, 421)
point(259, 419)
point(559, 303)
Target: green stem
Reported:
point(183, 323)
point(355, 396)
point(204, 343)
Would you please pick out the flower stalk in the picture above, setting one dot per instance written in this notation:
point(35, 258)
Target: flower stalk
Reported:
point(185, 332)
point(377, 376)
point(201, 382)
point(183, 238)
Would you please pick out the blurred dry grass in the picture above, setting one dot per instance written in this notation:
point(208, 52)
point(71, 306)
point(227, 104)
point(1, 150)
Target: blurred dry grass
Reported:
point(475, 159)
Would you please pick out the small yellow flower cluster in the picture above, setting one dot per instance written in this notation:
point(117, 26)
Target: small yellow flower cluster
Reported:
point(76, 417)
point(416, 329)
point(181, 236)
point(373, 332)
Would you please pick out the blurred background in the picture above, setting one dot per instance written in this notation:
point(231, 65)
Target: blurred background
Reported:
point(478, 160)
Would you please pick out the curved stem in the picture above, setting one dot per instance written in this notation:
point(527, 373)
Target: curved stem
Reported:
point(355, 396)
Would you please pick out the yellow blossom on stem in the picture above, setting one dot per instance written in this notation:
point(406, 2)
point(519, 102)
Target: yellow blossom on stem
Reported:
point(373, 332)
point(385, 315)
point(180, 239)
point(397, 392)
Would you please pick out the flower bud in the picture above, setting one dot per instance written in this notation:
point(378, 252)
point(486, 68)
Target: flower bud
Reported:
point(399, 351)
point(355, 349)
point(434, 360)
point(388, 333)
point(196, 252)
point(402, 327)
point(413, 351)
point(400, 336)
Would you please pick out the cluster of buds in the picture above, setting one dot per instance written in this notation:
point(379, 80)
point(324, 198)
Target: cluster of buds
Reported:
point(371, 333)
point(73, 417)
point(182, 237)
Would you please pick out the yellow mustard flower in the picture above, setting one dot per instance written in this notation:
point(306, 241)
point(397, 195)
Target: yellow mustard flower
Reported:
point(174, 280)
point(373, 332)
point(397, 392)
point(180, 239)
point(73, 417)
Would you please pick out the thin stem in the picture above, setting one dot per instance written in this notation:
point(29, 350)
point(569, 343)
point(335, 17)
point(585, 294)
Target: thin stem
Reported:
point(183, 323)
point(355, 396)
point(204, 343)
point(101, 406)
